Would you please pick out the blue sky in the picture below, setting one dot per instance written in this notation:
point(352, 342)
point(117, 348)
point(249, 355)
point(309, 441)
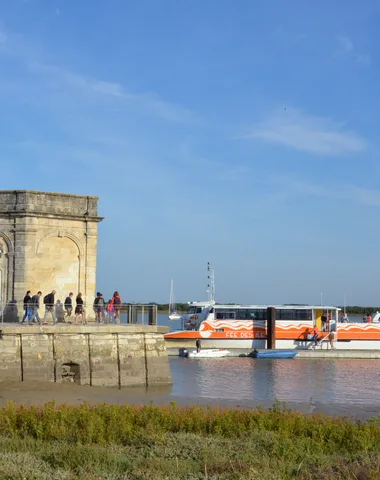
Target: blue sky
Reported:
point(237, 132)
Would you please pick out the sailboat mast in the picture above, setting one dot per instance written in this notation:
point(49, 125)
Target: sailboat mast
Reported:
point(171, 299)
point(211, 284)
point(345, 301)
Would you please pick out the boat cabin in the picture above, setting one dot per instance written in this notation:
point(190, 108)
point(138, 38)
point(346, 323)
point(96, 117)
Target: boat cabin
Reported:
point(310, 315)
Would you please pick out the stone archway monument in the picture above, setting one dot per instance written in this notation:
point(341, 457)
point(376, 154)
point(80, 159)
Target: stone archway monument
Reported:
point(48, 241)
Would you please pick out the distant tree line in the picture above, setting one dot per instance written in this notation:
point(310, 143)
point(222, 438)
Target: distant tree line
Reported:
point(180, 307)
point(356, 310)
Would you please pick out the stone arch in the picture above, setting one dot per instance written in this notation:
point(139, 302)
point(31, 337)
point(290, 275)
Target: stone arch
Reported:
point(61, 234)
point(70, 372)
point(59, 264)
point(8, 242)
point(6, 270)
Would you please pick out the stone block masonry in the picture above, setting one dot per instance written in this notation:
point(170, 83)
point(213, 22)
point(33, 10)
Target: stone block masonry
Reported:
point(47, 241)
point(111, 355)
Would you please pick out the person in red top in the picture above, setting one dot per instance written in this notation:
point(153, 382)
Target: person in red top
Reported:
point(116, 304)
point(315, 335)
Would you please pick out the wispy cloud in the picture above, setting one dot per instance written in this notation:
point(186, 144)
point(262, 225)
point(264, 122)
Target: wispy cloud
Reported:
point(317, 135)
point(350, 193)
point(346, 45)
point(148, 103)
point(346, 48)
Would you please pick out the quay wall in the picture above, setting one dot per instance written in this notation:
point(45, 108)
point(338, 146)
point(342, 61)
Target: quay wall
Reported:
point(109, 355)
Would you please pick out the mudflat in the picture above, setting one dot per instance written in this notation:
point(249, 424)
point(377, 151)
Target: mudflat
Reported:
point(40, 393)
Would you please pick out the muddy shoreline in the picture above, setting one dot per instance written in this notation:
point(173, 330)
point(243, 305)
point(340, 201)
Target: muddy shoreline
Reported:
point(40, 393)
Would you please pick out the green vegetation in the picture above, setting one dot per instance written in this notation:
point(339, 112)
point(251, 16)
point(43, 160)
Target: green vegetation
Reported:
point(180, 307)
point(355, 310)
point(133, 442)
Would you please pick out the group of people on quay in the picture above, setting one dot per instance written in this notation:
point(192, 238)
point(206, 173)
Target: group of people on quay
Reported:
point(105, 312)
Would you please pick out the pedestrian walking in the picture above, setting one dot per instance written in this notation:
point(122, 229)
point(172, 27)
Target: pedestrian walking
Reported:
point(35, 305)
point(69, 305)
point(27, 300)
point(99, 305)
point(79, 309)
point(110, 311)
point(49, 301)
point(116, 302)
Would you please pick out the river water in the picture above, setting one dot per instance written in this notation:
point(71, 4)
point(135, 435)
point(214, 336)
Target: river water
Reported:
point(330, 385)
point(349, 387)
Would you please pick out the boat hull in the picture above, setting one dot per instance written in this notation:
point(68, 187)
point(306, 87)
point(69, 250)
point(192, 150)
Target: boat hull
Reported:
point(216, 343)
point(339, 344)
point(274, 354)
point(205, 353)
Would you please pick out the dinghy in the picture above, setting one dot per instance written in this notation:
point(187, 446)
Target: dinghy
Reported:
point(274, 353)
point(205, 353)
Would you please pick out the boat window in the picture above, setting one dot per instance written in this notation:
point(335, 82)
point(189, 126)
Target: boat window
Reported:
point(258, 313)
point(261, 314)
point(247, 314)
point(290, 314)
point(191, 309)
point(285, 314)
point(199, 310)
point(225, 315)
point(241, 314)
point(303, 314)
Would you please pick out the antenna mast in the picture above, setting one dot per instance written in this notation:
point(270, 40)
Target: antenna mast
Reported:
point(211, 284)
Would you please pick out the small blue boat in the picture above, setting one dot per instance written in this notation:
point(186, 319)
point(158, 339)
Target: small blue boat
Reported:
point(274, 353)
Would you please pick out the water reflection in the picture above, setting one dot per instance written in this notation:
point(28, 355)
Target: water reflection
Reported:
point(339, 381)
point(327, 381)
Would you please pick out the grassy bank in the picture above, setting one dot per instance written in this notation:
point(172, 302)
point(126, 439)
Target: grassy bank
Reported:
point(128, 442)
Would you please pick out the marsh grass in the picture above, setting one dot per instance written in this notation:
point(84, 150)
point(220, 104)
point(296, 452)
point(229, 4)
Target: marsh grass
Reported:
point(133, 442)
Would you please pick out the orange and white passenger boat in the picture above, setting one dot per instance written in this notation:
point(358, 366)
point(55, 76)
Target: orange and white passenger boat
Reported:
point(244, 326)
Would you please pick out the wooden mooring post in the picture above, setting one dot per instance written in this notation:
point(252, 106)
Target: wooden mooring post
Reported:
point(271, 328)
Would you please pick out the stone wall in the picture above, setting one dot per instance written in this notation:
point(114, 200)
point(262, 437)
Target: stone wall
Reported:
point(47, 241)
point(88, 355)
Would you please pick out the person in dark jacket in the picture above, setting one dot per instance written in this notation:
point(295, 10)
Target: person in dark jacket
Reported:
point(69, 305)
point(99, 305)
point(198, 344)
point(27, 301)
point(79, 309)
point(49, 301)
point(35, 305)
